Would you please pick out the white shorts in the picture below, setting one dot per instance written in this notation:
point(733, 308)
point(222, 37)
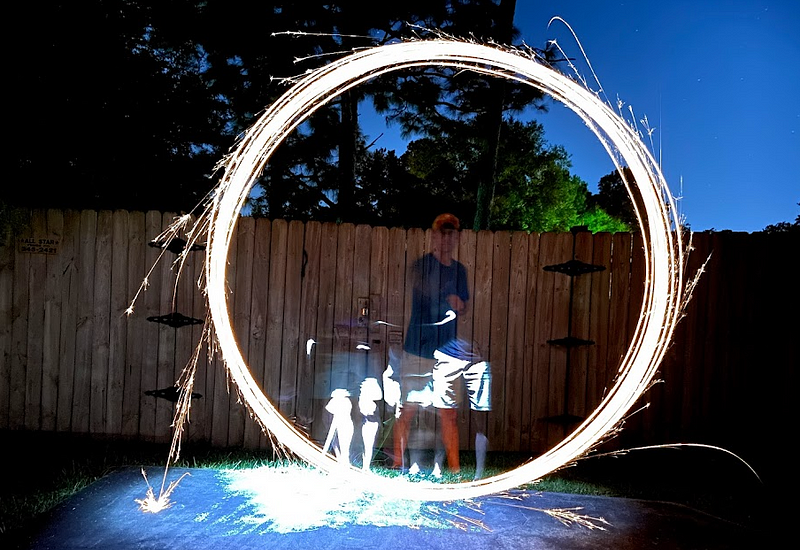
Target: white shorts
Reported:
point(477, 379)
point(479, 386)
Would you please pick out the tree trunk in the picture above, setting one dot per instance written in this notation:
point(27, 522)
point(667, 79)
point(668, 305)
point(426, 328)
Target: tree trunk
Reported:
point(488, 178)
point(347, 157)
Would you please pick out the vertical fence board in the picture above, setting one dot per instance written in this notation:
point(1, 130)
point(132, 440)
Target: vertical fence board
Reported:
point(378, 289)
point(718, 310)
point(240, 278)
point(259, 299)
point(291, 319)
point(362, 272)
point(165, 365)
point(527, 390)
point(117, 344)
point(548, 255)
point(186, 295)
point(620, 293)
point(559, 423)
point(277, 293)
point(695, 325)
point(19, 337)
point(309, 303)
point(579, 327)
point(323, 348)
point(481, 326)
point(498, 337)
point(618, 312)
point(69, 287)
point(100, 343)
point(645, 421)
point(202, 408)
point(190, 303)
point(358, 356)
point(417, 240)
point(741, 348)
point(33, 371)
point(84, 334)
point(226, 407)
point(673, 370)
point(393, 317)
point(341, 329)
point(598, 372)
point(396, 286)
point(466, 255)
point(134, 325)
point(150, 308)
point(515, 341)
point(7, 360)
point(51, 341)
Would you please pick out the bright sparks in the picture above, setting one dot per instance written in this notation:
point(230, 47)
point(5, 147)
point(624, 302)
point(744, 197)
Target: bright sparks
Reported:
point(152, 504)
point(655, 210)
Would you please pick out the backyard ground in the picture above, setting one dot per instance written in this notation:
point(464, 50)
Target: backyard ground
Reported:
point(41, 470)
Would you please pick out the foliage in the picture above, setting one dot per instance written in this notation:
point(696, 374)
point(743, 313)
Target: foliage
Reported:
point(130, 103)
point(429, 101)
point(535, 190)
point(12, 221)
point(613, 196)
point(109, 103)
point(785, 227)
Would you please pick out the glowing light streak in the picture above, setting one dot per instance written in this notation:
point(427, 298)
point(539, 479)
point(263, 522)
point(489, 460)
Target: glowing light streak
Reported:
point(655, 211)
point(449, 315)
point(678, 446)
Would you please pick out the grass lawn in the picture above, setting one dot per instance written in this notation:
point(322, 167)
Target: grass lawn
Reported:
point(41, 470)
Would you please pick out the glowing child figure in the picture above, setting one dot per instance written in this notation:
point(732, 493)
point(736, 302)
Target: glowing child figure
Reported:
point(370, 393)
point(341, 425)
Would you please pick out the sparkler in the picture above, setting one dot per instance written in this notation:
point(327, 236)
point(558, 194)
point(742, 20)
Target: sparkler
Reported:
point(655, 211)
point(151, 503)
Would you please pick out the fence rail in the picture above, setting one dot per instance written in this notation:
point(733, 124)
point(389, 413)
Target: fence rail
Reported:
point(71, 360)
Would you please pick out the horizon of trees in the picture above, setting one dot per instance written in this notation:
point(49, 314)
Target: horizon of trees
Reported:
point(131, 103)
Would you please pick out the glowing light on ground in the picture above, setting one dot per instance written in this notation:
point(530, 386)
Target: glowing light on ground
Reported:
point(293, 498)
point(656, 212)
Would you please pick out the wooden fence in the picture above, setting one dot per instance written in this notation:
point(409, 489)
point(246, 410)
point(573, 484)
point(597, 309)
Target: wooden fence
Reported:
point(71, 360)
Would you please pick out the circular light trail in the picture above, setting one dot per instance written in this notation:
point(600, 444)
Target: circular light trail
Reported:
point(663, 249)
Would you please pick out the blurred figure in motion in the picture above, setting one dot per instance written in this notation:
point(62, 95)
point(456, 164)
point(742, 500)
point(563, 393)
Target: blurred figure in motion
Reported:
point(458, 366)
point(439, 296)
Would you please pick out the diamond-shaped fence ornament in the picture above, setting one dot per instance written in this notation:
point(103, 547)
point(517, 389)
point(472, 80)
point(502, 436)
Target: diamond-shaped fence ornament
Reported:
point(570, 342)
point(171, 394)
point(176, 245)
point(174, 320)
point(573, 268)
